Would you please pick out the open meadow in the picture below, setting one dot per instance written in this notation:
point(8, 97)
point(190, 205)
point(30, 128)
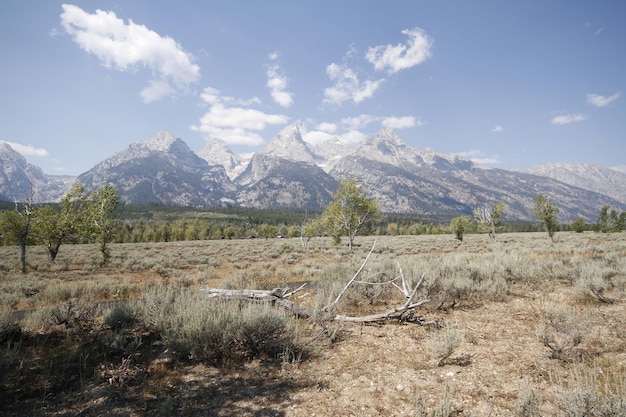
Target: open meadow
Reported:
point(517, 327)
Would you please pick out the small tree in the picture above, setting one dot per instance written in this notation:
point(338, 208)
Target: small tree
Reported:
point(609, 222)
point(100, 224)
point(57, 227)
point(308, 230)
point(546, 212)
point(15, 225)
point(489, 217)
point(459, 225)
point(579, 225)
point(350, 210)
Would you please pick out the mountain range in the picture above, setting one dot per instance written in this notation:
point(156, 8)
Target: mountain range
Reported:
point(290, 173)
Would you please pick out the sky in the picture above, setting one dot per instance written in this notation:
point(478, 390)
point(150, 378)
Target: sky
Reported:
point(508, 84)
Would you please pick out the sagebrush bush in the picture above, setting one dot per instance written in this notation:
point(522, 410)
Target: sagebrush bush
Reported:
point(591, 393)
point(218, 332)
point(562, 329)
point(528, 400)
point(444, 342)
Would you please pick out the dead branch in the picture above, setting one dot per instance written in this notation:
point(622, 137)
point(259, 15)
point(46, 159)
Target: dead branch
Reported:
point(280, 297)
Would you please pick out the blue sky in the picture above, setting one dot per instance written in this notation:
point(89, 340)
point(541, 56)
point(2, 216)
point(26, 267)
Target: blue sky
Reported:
point(508, 84)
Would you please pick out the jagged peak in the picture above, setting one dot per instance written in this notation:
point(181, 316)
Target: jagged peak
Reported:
point(162, 141)
point(288, 144)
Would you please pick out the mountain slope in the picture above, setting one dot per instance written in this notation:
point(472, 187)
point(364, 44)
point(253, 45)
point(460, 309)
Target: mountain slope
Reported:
point(411, 180)
point(17, 176)
point(162, 170)
point(290, 173)
point(592, 177)
point(285, 174)
point(217, 152)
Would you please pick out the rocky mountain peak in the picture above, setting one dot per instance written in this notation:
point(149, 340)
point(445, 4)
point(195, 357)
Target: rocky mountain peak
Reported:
point(217, 152)
point(288, 144)
point(161, 142)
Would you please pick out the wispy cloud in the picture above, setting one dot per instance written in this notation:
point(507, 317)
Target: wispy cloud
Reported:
point(277, 83)
point(347, 86)
point(601, 101)
point(359, 121)
point(568, 118)
point(479, 157)
point(402, 122)
point(620, 168)
point(26, 150)
point(123, 46)
point(234, 124)
point(497, 129)
point(394, 58)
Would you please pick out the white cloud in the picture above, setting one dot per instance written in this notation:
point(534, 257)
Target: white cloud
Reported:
point(26, 150)
point(277, 83)
point(602, 101)
point(479, 157)
point(394, 58)
point(352, 137)
point(234, 124)
point(347, 85)
point(122, 46)
point(317, 136)
point(620, 168)
point(212, 95)
point(497, 129)
point(358, 122)
point(401, 122)
point(327, 127)
point(568, 118)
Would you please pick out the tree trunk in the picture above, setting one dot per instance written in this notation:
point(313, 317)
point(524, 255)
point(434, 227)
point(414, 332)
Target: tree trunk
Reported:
point(23, 255)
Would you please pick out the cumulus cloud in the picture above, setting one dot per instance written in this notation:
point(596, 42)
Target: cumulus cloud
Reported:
point(234, 124)
point(601, 101)
point(568, 118)
point(401, 122)
point(277, 83)
point(347, 85)
point(317, 136)
point(497, 129)
point(394, 58)
point(327, 127)
point(359, 121)
point(26, 150)
point(124, 46)
point(479, 157)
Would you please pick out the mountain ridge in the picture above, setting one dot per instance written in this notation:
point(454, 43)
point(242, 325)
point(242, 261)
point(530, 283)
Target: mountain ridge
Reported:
point(291, 173)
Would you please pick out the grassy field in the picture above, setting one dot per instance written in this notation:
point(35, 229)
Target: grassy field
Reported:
point(520, 327)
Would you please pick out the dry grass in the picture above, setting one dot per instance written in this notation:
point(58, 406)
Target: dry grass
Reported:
point(496, 294)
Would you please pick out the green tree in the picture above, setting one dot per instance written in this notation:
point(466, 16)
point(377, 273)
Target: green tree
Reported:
point(57, 227)
point(489, 217)
point(609, 222)
point(15, 227)
point(99, 221)
point(459, 225)
point(349, 211)
point(579, 225)
point(546, 213)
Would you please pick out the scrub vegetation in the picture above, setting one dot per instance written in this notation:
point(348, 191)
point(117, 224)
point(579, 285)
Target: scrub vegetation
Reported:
point(514, 326)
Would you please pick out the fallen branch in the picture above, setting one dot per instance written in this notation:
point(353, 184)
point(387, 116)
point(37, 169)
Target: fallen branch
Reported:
point(280, 297)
